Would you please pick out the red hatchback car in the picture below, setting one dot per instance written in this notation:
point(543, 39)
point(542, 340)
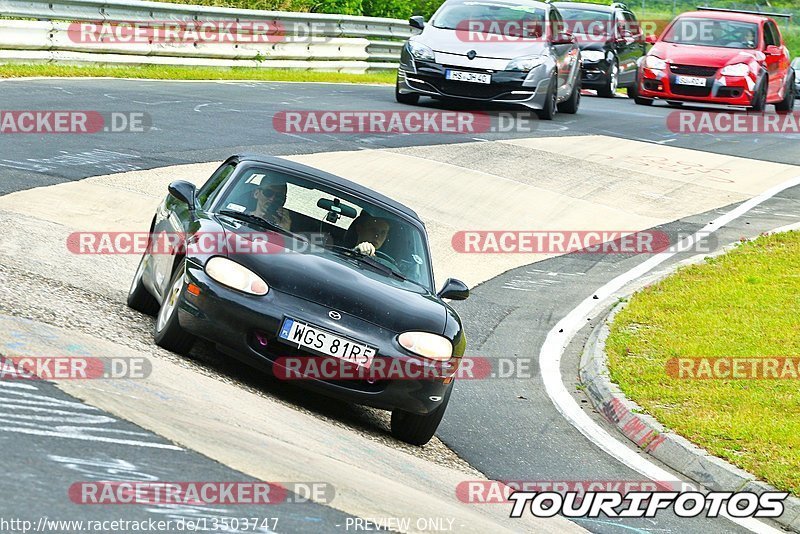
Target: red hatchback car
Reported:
point(712, 57)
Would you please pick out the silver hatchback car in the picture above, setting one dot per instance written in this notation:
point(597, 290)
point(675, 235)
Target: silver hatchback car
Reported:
point(493, 51)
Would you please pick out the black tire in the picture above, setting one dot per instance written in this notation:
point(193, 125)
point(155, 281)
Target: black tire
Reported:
point(633, 90)
point(418, 429)
point(405, 98)
point(167, 331)
point(550, 104)
point(760, 98)
point(139, 298)
point(787, 104)
point(609, 89)
point(572, 104)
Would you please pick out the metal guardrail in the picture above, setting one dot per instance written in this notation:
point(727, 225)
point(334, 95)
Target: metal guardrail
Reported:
point(305, 40)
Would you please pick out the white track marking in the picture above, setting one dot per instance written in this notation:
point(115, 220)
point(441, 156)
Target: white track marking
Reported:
point(556, 342)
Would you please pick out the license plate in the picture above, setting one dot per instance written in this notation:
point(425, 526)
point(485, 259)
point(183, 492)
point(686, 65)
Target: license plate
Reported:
point(473, 77)
point(323, 342)
point(690, 80)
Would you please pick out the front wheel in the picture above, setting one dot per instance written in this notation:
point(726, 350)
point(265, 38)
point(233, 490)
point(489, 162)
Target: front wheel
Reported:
point(418, 429)
point(610, 87)
point(548, 112)
point(760, 97)
point(405, 98)
point(574, 101)
point(168, 333)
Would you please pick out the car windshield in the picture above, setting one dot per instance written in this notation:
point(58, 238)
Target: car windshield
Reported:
point(321, 219)
point(713, 32)
point(587, 21)
point(514, 20)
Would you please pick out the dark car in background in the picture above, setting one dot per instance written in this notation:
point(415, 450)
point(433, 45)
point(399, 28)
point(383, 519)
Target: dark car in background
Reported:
point(493, 51)
point(611, 42)
point(310, 294)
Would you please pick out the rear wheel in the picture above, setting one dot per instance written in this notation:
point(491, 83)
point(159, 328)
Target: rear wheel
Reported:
point(612, 82)
point(168, 333)
point(418, 429)
point(139, 298)
point(787, 104)
point(574, 101)
point(550, 107)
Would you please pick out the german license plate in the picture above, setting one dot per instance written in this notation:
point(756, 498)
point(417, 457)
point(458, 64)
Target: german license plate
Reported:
point(321, 341)
point(690, 80)
point(473, 77)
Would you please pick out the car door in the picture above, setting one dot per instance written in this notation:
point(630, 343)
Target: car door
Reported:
point(566, 53)
point(623, 45)
point(777, 60)
point(632, 41)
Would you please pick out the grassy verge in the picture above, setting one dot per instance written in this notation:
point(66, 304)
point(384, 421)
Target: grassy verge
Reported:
point(163, 72)
point(742, 304)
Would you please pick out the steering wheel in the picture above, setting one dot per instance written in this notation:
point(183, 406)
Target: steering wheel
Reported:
point(388, 258)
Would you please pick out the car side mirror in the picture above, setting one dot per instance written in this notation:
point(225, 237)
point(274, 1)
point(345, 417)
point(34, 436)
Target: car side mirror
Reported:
point(417, 22)
point(651, 39)
point(454, 290)
point(184, 191)
point(773, 50)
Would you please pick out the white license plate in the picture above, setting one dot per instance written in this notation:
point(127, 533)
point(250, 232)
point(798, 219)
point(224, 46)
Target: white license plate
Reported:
point(473, 77)
point(323, 342)
point(690, 80)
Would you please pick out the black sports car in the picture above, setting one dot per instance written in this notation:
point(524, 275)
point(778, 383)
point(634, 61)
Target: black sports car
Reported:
point(278, 262)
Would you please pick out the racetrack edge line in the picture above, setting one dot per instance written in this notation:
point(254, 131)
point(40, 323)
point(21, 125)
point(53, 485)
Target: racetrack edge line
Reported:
point(560, 335)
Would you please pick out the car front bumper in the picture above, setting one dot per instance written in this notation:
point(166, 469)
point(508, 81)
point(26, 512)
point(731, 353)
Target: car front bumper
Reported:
point(725, 90)
point(427, 78)
point(595, 74)
point(235, 321)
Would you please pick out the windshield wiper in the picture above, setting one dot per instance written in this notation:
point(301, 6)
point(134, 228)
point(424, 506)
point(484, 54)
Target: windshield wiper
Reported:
point(261, 221)
point(368, 260)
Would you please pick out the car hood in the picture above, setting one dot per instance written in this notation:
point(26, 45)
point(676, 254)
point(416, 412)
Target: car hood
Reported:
point(457, 42)
point(340, 284)
point(707, 56)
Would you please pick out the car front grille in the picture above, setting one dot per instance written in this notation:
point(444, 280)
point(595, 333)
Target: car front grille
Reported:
point(689, 90)
point(693, 70)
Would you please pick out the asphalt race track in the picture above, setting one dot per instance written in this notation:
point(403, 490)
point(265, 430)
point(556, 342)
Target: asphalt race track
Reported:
point(504, 429)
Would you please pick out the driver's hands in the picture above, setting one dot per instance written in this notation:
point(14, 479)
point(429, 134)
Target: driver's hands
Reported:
point(366, 248)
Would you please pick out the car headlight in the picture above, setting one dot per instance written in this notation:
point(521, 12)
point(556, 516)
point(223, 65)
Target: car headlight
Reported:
point(655, 63)
point(738, 69)
point(420, 51)
point(427, 345)
point(525, 63)
point(236, 276)
point(592, 55)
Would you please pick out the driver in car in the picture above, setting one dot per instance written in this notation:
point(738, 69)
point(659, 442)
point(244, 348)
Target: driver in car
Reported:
point(370, 232)
point(270, 199)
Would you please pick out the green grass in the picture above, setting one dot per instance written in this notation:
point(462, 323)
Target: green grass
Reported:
point(742, 304)
point(162, 72)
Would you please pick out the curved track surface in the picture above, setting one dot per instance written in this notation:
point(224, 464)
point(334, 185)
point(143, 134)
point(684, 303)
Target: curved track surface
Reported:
point(506, 429)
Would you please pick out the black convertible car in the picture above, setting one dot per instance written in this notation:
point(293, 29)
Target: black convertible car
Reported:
point(274, 261)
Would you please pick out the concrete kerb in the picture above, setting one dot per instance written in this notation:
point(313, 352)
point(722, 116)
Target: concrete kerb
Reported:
point(645, 431)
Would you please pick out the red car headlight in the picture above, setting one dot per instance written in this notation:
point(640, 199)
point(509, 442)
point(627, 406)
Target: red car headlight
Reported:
point(737, 69)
